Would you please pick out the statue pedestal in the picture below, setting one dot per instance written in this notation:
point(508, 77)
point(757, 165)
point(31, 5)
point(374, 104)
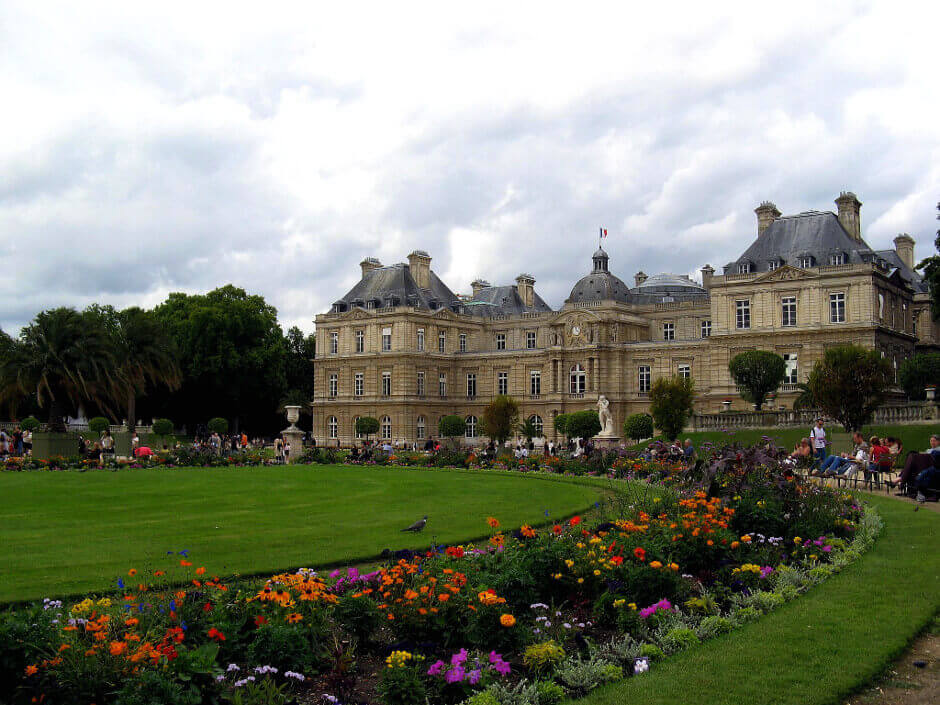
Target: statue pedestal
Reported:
point(295, 437)
point(606, 442)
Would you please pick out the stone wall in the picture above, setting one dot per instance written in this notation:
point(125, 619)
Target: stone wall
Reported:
point(913, 413)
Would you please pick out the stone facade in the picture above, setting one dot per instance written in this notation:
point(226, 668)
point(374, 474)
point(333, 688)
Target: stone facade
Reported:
point(401, 348)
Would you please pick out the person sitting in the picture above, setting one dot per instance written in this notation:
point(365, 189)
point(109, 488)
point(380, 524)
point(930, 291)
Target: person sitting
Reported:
point(880, 458)
point(835, 465)
point(928, 480)
point(688, 451)
point(915, 463)
point(802, 454)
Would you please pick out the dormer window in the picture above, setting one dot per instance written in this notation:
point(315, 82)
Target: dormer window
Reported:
point(805, 261)
point(836, 259)
point(744, 268)
point(773, 264)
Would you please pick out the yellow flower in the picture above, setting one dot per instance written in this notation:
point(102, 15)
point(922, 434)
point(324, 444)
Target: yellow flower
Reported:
point(104, 602)
point(507, 620)
point(580, 580)
point(293, 617)
point(569, 562)
point(619, 603)
point(656, 564)
point(632, 606)
point(597, 572)
point(797, 540)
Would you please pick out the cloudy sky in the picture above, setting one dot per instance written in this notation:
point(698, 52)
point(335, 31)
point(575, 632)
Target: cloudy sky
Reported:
point(274, 146)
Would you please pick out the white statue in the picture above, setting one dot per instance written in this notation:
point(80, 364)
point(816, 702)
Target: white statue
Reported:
point(604, 416)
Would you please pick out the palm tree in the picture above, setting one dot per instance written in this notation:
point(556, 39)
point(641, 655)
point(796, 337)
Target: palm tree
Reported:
point(61, 360)
point(805, 399)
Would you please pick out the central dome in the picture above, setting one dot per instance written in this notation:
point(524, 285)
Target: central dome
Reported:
point(600, 284)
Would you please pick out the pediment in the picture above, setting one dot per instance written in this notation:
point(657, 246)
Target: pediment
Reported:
point(357, 314)
point(786, 273)
point(444, 313)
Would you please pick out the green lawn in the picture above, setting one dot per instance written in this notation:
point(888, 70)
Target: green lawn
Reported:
point(820, 648)
point(67, 532)
point(914, 437)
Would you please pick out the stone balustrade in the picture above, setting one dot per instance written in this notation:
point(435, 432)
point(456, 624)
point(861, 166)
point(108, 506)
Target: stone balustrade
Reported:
point(912, 413)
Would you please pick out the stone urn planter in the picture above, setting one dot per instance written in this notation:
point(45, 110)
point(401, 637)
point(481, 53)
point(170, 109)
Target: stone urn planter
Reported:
point(726, 404)
point(293, 413)
point(931, 392)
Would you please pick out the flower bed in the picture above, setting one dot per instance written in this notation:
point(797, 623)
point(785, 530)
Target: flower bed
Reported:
point(531, 615)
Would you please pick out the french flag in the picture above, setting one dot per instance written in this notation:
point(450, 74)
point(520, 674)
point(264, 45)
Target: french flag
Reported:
point(603, 233)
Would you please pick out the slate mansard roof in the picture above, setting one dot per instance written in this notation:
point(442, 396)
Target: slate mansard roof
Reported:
point(502, 300)
point(394, 286)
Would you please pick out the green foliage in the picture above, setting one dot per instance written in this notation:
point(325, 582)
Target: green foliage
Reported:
point(451, 426)
point(931, 267)
point(583, 424)
point(162, 427)
point(98, 424)
point(263, 692)
point(527, 429)
point(500, 418)
point(402, 685)
point(561, 424)
point(580, 676)
point(849, 383)
point(542, 657)
point(358, 616)
point(150, 687)
point(671, 404)
point(217, 424)
point(30, 423)
point(757, 373)
point(710, 627)
point(550, 693)
point(678, 639)
point(300, 353)
point(367, 425)
point(917, 372)
point(484, 697)
point(638, 426)
point(289, 647)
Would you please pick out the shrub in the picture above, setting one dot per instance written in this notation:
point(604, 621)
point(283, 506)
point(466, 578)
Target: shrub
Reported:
point(484, 697)
point(162, 427)
point(156, 687)
point(289, 647)
point(746, 614)
point(218, 425)
point(358, 616)
point(652, 652)
point(30, 423)
point(713, 626)
point(542, 657)
point(583, 424)
point(580, 676)
point(550, 693)
point(638, 426)
point(367, 425)
point(678, 639)
point(671, 404)
point(757, 373)
point(401, 682)
point(451, 427)
point(99, 424)
point(561, 424)
point(623, 650)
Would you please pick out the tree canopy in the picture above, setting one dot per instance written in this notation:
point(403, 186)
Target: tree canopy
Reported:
point(500, 418)
point(367, 425)
point(931, 267)
point(451, 426)
point(849, 383)
point(671, 404)
point(757, 373)
point(638, 426)
point(917, 372)
point(583, 424)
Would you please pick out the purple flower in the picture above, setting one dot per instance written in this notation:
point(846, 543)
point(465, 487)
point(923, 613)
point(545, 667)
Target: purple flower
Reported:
point(826, 549)
point(455, 675)
point(459, 658)
point(436, 668)
point(474, 676)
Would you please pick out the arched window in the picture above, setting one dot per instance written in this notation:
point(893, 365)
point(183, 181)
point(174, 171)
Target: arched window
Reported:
point(578, 380)
point(386, 428)
point(421, 427)
point(471, 431)
point(333, 426)
point(356, 426)
point(537, 423)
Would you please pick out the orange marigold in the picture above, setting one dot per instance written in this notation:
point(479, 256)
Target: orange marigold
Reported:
point(493, 522)
point(507, 620)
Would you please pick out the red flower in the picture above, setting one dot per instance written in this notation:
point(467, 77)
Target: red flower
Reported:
point(260, 620)
point(557, 529)
point(617, 560)
point(216, 634)
point(639, 553)
point(207, 607)
point(575, 520)
point(454, 551)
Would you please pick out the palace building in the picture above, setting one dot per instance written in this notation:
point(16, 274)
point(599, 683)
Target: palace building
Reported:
point(402, 347)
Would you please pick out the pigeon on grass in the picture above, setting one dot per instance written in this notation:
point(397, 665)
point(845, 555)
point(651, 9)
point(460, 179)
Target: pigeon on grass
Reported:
point(418, 525)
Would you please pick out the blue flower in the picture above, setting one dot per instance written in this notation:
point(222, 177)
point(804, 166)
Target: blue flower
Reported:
point(185, 553)
point(121, 583)
point(546, 512)
point(183, 626)
point(173, 605)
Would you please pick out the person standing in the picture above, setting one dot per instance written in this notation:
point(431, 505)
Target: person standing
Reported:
point(107, 446)
point(278, 450)
point(286, 452)
point(818, 437)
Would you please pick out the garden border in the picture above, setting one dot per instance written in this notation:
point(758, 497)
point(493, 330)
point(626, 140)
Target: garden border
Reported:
point(827, 644)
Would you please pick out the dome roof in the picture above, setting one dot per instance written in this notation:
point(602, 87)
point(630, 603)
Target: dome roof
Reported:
point(600, 284)
point(669, 282)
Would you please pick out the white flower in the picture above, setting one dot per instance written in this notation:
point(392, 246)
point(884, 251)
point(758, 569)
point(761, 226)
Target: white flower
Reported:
point(566, 625)
point(296, 676)
point(232, 667)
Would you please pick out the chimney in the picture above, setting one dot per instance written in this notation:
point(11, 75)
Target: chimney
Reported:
point(849, 207)
point(419, 262)
point(707, 273)
point(639, 277)
point(525, 285)
point(368, 264)
point(478, 284)
point(767, 213)
point(904, 246)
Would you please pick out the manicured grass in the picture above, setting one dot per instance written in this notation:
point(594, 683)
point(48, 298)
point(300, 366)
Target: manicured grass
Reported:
point(69, 532)
point(823, 646)
point(914, 437)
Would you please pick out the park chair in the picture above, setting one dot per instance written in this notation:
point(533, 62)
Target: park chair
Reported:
point(877, 476)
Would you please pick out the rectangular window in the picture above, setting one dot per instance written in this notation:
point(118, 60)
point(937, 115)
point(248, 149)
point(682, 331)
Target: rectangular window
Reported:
point(420, 339)
point(442, 386)
point(386, 384)
point(358, 383)
point(502, 383)
point(334, 385)
point(805, 262)
point(334, 343)
point(743, 313)
point(790, 368)
point(360, 341)
point(500, 341)
point(530, 340)
point(386, 339)
point(471, 385)
point(788, 305)
point(744, 268)
point(463, 342)
point(421, 384)
point(685, 371)
point(706, 328)
point(441, 341)
point(535, 383)
point(669, 330)
point(837, 259)
point(772, 265)
point(644, 379)
point(837, 308)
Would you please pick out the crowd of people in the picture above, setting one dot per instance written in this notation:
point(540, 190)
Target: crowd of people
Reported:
point(16, 443)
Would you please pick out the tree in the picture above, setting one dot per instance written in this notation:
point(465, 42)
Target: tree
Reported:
point(30, 423)
point(931, 267)
point(218, 425)
point(145, 355)
point(451, 427)
point(233, 356)
point(527, 429)
point(805, 399)
point(757, 373)
point(98, 425)
point(671, 404)
point(583, 424)
point(849, 383)
point(367, 425)
point(301, 351)
point(917, 372)
point(500, 418)
point(163, 428)
point(62, 362)
point(638, 426)
point(561, 424)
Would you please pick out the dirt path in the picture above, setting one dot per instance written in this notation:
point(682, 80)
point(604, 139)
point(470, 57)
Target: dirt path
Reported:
point(905, 683)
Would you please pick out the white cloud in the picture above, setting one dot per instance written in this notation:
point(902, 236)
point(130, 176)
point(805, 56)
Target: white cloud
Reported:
point(183, 146)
